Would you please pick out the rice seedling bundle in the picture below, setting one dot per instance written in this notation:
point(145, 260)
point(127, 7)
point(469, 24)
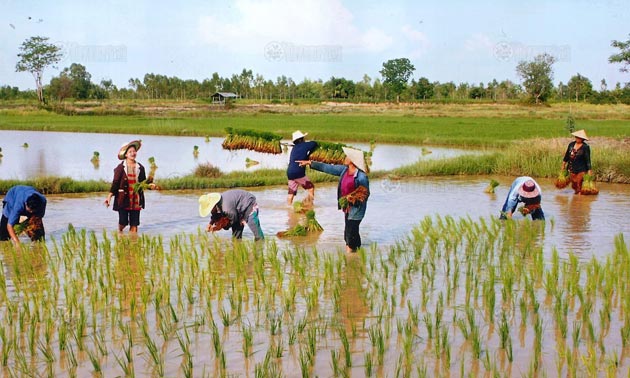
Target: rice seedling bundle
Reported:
point(588, 186)
point(563, 179)
point(218, 222)
point(359, 195)
point(490, 188)
point(298, 207)
point(312, 225)
point(327, 152)
point(242, 139)
point(298, 230)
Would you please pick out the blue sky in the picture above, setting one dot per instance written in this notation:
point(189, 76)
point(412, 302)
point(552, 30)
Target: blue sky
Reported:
point(460, 41)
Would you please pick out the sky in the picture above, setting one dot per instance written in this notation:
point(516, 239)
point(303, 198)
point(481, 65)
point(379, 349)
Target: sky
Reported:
point(460, 41)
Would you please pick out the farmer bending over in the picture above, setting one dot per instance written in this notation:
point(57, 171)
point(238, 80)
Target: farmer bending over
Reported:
point(524, 189)
point(233, 209)
point(23, 201)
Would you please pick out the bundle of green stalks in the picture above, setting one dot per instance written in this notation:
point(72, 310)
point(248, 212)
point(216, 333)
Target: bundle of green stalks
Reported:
point(260, 141)
point(327, 152)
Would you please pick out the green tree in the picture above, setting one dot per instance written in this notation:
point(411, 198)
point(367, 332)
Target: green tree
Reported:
point(423, 89)
point(579, 87)
point(37, 54)
point(623, 56)
point(60, 87)
point(396, 74)
point(537, 77)
point(81, 80)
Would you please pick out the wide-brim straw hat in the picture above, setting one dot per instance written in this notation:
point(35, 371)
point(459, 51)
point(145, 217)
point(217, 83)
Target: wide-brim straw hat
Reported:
point(580, 134)
point(297, 135)
point(123, 149)
point(528, 189)
point(356, 157)
point(207, 202)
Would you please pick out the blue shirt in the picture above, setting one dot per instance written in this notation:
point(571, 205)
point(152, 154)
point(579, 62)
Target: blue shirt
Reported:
point(14, 203)
point(356, 211)
point(300, 151)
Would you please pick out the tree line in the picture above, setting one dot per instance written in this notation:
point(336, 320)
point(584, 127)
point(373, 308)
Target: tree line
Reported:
point(395, 84)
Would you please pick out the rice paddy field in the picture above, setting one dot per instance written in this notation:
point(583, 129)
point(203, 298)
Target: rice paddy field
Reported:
point(456, 297)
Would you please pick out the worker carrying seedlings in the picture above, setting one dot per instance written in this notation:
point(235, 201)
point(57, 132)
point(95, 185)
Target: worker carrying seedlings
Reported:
point(524, 189)
point(352, 192)
point(233, 209)
point(296, 174)
point(23, 201)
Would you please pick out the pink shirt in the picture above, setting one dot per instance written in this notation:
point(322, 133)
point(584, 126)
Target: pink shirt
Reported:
point(347, 184)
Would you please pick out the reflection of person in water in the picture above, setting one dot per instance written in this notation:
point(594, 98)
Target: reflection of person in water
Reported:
point(576, 212)
point(353, 298)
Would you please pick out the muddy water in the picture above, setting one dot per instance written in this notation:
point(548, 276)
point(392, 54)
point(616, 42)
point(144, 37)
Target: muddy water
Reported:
point(585, 225)
point(70, 154)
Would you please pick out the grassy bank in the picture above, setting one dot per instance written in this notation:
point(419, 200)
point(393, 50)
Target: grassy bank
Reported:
point(408, 127)
point(536, 158)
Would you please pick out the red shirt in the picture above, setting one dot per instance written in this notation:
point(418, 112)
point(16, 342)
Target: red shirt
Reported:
point(347, 184)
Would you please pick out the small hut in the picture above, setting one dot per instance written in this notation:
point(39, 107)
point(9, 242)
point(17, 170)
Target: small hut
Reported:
point(221, 97)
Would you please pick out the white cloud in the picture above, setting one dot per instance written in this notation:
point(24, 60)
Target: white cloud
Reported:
point(418, 41)
point(303, 22)
point(479, 43)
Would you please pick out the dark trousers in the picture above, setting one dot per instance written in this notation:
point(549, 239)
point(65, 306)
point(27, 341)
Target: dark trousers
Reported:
point(351, 233)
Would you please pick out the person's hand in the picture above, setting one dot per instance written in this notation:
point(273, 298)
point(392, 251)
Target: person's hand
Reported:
point(152, 186)
point(106, 202)
point(303, 163)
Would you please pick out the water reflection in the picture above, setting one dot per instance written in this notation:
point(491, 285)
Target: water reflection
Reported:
point(71, 155)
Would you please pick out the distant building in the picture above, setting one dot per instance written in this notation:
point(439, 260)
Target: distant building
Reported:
point(220, 97)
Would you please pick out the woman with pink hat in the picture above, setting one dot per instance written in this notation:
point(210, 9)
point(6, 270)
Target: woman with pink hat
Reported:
point(524, 189)
point(128, 200)
point(577, 159)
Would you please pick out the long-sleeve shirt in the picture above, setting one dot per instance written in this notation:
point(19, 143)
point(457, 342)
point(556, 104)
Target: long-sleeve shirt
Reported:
point(580, 160)
point(14, 203)
point(513, 198)
point(300, 151)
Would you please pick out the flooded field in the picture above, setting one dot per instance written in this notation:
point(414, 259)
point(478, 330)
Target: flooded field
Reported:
point(442, 288)
point(70, 155)
point(585, 225)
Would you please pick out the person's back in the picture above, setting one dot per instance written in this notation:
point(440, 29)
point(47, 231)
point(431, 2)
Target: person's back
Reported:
point(300, 151)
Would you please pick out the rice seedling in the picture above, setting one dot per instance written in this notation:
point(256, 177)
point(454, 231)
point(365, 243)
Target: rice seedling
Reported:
point(265, 142)
point(368, 367)
point(562, 180)
point(248, 338)
point(588, 186)
point(491, 186)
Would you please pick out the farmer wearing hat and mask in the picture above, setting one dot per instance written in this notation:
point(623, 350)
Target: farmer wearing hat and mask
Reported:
point(353, 191)
point(524, 189)
point(295, 172)
point(233, 209)
point(22, 201)
point(127, 187)
point(577, 159)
